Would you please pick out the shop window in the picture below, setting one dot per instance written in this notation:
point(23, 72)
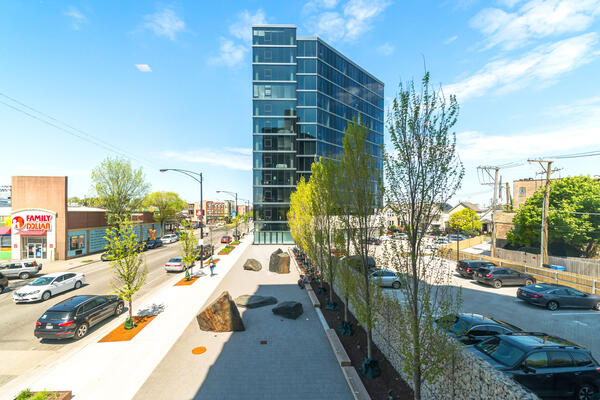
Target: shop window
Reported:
point(77, 242)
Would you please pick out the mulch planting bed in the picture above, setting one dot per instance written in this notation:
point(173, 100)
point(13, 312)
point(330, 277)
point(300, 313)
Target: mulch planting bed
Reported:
point(184, 282)
point(356, 347)
point(120, 334)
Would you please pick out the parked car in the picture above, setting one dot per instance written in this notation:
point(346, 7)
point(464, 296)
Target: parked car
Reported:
point(470, 328)
point(22, 269)
point(375, 241)
point(546, 365)
point(153, 244)
point(106, 256)
point(171, 238)
point(386, 278)
point(175, 264)
point(207, 251)
point(441, 241)
point(356, 262)
point(226, 239)
point(455, 238)
point(142, 246)
point(72, 318)
point(554, 296)
point(466, 268)
point(48, 285)
point(401, 235)
point(498, 277)
point(3, 282)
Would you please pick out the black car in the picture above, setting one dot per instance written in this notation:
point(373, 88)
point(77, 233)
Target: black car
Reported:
point(466, 268)
point(546, 365)
point(153, 244)
point(470, 328)
point(72, 318)
point(554, 296)
point(497, 277)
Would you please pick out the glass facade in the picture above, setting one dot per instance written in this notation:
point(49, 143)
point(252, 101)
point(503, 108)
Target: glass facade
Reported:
point(304, 94)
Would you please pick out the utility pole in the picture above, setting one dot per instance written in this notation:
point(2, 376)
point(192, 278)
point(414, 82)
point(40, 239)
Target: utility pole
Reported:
point(545, 208)
point(487, 170)
point(508, 199)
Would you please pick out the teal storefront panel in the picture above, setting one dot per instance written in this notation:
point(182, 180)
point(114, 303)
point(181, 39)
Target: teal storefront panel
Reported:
point(97, 240)
point(77, 243)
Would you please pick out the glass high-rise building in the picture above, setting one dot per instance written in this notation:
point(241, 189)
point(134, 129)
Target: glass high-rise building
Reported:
point(304, 94)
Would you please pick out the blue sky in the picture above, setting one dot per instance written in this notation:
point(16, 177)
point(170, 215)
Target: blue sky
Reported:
point(168, 83)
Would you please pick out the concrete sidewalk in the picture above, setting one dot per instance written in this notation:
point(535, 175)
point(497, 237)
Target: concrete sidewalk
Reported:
point(117, 370)
point(296, 362)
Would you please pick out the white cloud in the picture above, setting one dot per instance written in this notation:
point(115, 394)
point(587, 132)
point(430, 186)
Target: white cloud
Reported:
point(77, 17)
point(541, 65)
point(348, 23)
point(240, 150)
point(451, 39)
point(534, 19)
point(387, 49)
point(164, 23)
point(230, 54)
point(143, 67)
point(228, 159)
point(242, 27)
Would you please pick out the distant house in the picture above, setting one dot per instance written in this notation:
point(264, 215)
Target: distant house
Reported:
point(391, 217)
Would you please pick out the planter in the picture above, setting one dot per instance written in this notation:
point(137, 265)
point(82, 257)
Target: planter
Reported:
point(50, 395)
point(120, 334)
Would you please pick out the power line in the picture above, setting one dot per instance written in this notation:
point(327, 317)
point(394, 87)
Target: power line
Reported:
point(80, 134)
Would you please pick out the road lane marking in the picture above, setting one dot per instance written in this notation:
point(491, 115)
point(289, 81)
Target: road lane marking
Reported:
point(582, 313)
point(580, 323)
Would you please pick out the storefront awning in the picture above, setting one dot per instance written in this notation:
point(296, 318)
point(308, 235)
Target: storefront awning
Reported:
point(41, 232)
point(4, 230)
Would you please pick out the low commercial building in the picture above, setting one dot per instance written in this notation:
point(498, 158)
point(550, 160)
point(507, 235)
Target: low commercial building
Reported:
point(41, 225)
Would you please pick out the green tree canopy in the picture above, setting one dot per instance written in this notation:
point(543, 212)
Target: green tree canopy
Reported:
point(465, 220)
point(571, 221)
point(167, 205)
point(120, 188)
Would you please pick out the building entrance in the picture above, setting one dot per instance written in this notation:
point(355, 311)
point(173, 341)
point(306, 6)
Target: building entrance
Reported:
point(34, 247)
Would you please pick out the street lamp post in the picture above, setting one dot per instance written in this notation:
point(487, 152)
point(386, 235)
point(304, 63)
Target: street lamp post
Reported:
point(197, 176)
point(234, 194)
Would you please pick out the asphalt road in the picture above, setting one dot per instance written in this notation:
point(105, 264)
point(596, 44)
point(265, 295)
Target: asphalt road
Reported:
point(20, 350)
point(576, 325)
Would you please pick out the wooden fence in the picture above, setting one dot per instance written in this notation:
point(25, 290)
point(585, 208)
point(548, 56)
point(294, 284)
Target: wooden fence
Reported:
point(588, 284)
point(465, 244)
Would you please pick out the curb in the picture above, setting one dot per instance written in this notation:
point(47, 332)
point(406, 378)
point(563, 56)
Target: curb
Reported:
point(359, 392)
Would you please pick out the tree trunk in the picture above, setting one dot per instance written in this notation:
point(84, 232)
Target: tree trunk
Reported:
point(346, 301)
point(130, 311)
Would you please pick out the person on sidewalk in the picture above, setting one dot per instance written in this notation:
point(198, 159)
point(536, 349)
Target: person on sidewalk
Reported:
point(212, 267)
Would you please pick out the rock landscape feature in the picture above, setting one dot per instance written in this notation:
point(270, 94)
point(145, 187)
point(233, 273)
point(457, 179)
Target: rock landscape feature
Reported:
point(255, 301)
point(221, 315)
point(289, 309)
point(252, 265)
point(279, 262)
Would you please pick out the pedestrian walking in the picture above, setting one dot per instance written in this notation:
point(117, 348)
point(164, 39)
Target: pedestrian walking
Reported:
point(212, 268)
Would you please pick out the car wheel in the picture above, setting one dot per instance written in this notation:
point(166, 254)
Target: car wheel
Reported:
point(552, 305)
point(24, 275)
point(528, 282)
point(396, 285)
point(596, 306)
point(77, 284)
point(585, 392)
point(81, 331)
point(497, 284)
point(46, 296)
point(119, 309)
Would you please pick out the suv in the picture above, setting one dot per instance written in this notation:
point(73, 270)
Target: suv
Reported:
point(153, 244)
point(466, 268)
point(73, 317)
point(548, 366)
point(21, 269)
point(3, 282)
point(470, 328)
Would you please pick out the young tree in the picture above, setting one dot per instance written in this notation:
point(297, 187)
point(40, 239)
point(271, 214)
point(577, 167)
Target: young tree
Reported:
point(167, 204)
point(300, 218)
point(422, 171)
point(465, 220)
point(120, 188)
point(190, 251)
point(127, 264)
point(361, 195)
point(572, 217)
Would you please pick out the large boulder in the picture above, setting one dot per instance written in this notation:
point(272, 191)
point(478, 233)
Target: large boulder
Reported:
point(288, 309)
point(279, 262)
point(255, 301)
point(252, 265)
point(221, 315)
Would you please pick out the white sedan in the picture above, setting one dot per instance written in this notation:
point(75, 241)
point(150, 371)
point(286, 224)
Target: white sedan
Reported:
point(169, 239)
point(48, 285)
point(175, 264)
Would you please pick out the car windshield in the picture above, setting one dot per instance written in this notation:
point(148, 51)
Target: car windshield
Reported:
point(501, 351)
point(44, 280)
point(175, 259)
point(454, 325)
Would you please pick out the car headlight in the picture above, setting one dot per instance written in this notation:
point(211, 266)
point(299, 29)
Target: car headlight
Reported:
point(35, 292)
